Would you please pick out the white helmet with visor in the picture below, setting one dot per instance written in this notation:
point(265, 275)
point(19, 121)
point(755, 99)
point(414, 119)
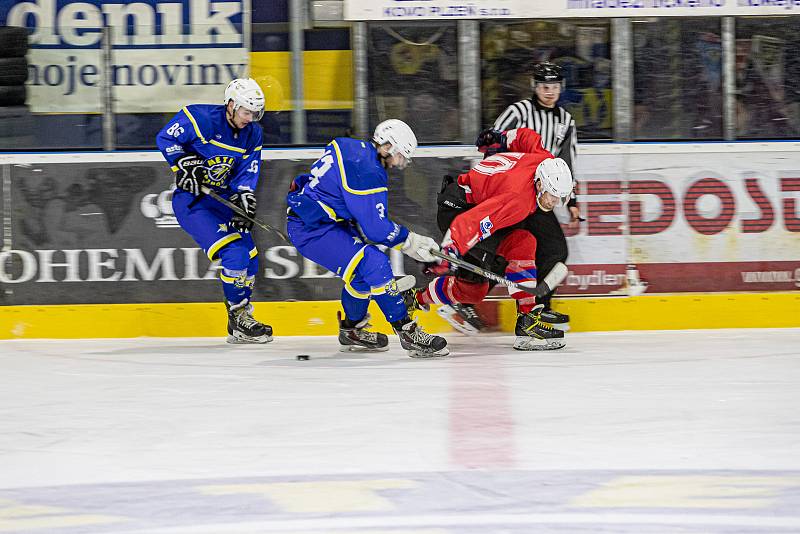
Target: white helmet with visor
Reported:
point(401, 137)
point(246, 93)
point(554, 176)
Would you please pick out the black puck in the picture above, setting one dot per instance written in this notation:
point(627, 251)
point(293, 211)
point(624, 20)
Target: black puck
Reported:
point(302, 356)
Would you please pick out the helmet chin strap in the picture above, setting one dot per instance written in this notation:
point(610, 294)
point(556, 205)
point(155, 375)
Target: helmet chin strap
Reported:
point(539, 202)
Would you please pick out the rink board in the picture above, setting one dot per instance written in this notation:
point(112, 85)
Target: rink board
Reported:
point(650, 312)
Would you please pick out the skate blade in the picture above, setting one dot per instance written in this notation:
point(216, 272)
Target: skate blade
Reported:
point(451, 316)
point(423, 355)
point(233, 339)
point(359, 348)
point(532, 343)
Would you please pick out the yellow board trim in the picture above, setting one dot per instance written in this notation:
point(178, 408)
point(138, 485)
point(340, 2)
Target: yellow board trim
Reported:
point(344, 176)
point(318, 318)
point(682, 311)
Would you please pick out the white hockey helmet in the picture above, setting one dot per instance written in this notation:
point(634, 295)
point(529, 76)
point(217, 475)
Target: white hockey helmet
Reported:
point(555, 177)
point(400, 135)
point(246, 93)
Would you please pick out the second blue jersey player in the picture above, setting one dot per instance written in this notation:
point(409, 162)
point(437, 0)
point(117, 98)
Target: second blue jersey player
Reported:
point(339, 212)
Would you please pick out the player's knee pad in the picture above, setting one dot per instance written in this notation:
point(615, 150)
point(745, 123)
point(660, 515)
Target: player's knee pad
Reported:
point(374, 269)
point(235, 256)
point(519, 245)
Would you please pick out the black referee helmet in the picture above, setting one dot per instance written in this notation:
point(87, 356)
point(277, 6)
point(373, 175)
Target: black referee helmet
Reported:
point(547, 73)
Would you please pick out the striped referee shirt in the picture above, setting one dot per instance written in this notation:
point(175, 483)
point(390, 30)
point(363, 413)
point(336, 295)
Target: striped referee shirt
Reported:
point(555, 125)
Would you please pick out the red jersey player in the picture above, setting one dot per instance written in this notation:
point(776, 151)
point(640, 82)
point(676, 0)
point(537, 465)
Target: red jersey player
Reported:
point(481, 214)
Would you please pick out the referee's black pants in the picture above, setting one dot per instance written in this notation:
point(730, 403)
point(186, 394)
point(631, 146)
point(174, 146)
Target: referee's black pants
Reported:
point(551, 245)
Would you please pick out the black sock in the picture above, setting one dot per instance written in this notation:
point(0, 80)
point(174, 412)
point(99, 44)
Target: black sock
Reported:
point(400, 323)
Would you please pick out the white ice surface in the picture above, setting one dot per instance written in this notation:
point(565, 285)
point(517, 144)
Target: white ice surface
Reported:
point(164, 417)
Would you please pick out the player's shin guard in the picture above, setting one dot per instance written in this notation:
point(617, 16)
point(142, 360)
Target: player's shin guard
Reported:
point(534, 334)
point(243, 327)
point(356, 337)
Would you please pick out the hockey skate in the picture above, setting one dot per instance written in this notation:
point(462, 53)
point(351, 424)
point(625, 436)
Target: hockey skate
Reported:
point(559, 321)
point(359, 339)
point(419, 343)
point(535, 334)
point(463, 317)
point(243, 328)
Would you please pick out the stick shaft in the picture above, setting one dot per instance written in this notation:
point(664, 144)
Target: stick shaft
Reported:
point(225, 202)
point(555, 277)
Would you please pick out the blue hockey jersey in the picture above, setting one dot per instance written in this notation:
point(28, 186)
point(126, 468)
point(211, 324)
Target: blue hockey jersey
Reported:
point(348, 184)
point(233, 157)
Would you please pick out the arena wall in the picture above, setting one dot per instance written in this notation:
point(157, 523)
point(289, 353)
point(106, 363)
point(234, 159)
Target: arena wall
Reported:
point(676, 236)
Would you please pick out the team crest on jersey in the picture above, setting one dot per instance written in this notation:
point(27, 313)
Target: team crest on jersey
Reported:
point(219, 167)
point(391, 288)
point(486, 227)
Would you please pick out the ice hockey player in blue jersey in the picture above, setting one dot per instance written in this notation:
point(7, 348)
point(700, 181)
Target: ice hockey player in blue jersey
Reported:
point(339, 212)
point(219, 147)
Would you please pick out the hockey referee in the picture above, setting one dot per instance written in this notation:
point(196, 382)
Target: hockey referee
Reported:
point(557, 128)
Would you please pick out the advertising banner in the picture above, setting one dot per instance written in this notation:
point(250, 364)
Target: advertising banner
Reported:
point(164, 53)
point(495, 9)
point(659, 219)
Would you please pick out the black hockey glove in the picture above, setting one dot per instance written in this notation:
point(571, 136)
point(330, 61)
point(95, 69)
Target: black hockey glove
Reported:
point(491, 141)
point(247, 201)
point(191, 173)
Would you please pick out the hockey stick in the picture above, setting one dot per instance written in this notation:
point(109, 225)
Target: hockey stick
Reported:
point(240, 211)
point(553, 278)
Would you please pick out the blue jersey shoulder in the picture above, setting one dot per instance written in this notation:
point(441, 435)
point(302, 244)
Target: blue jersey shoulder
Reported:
point(363, 172)
point(209, 119)
point(204, 118)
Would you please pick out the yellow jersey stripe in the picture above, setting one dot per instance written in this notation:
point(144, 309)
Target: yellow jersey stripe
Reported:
point(344, 176)
point(253, 253)
point(194, 123)
point(329, 210)
point(227, 147)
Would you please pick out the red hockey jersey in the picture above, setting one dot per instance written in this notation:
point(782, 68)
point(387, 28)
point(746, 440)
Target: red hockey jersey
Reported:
point(502, 187)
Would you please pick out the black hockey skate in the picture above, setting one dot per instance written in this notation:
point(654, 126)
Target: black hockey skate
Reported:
point(559, 321)
point(358, 338)
point(419, 343)
point(243, 328)
point(535, 334)
point(462, 317)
